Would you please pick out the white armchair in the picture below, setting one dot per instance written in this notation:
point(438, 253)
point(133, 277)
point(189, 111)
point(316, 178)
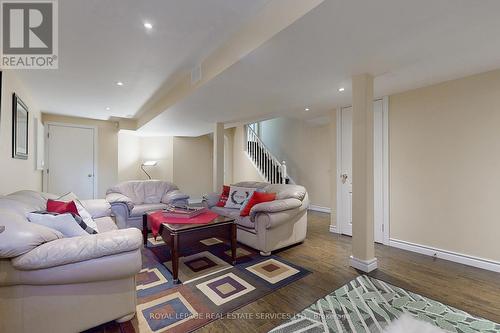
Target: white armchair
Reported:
point(131, 200)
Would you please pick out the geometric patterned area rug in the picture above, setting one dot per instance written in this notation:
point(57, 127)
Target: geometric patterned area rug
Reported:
point(368, 305)
point(210, 286)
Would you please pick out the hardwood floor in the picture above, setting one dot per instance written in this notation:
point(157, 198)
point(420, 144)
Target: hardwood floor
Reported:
point(326, 255)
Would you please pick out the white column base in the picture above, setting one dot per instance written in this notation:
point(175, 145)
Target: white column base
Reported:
point(363, 265)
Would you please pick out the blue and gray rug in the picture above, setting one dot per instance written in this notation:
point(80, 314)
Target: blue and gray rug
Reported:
point(369, 305)
point(210, 286)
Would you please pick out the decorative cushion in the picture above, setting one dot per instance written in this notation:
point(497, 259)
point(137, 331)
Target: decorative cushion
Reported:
point(82, 211)
point(19, 235)
point(61, 207)
point(256, 198)
point(64, 223)
point(237, 196)
point(224, 196)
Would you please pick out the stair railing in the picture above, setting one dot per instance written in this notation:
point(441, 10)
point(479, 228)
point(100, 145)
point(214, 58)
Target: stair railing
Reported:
point(268, 165)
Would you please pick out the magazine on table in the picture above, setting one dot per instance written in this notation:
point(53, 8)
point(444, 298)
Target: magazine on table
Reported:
point(186, 212)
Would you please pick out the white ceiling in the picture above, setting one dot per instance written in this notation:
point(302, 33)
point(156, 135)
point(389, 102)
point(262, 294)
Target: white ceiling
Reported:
point(405, 43)
point(102, 42)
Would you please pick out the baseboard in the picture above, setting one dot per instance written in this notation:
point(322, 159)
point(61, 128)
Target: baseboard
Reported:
point(460, 258)
point(363, 265)
point(320, 209)
point(333, 228)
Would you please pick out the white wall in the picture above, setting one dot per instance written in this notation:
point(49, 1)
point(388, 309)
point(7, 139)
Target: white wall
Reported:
point(243, 169)
point(193, 165)
point(129, 156)
point(445, 165)
point(133, 150)
point(305, 146)
point(17, 174)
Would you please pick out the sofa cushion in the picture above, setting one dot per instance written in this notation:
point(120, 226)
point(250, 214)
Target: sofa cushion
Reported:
point(287, 191)
point(256, 198)
point(97, 208)
point(153, 191)
point(238, 196)
point(64, 223)
point(21, 236)
point(143, 191)
point(140, 210)
point(78, 249)
point(82, 210)
point(105, 224)
point(62, 207)
point(223, 196)
point(174, 197)
point(227, 212)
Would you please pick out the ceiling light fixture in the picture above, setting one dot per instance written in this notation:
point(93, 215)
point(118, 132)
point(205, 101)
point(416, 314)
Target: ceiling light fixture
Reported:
point(306, 109)
point(119, 83)
point(108, 108)
point(148, 25)
point(341, 89)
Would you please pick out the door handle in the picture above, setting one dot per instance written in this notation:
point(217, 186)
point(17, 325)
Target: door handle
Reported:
point(89, 175)
point(344, 177)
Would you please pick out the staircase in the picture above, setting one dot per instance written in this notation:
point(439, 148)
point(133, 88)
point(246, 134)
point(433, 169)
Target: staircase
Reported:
point(268, 166)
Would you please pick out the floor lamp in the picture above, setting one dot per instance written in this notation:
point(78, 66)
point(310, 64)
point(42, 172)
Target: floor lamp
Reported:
point(148, 164)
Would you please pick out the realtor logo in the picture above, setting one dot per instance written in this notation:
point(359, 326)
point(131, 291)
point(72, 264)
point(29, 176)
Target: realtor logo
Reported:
point(29, 35)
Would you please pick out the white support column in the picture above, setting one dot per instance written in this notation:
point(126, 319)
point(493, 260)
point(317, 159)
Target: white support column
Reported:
point(218, 177)
point(363, 247)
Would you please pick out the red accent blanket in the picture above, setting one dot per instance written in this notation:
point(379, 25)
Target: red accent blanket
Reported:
point(158, 218)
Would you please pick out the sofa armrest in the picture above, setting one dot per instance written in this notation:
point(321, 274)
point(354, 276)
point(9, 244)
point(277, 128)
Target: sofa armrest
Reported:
point(114, 198)
point(273, 220)
point(97, 208)
point(275, 206)
point(211, 199)
point(77, 249)
point(175, 197)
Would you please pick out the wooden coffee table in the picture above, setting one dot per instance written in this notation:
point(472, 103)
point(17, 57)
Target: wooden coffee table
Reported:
point(179, 236)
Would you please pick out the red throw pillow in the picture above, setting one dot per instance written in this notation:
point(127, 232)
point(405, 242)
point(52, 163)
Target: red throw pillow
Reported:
point(257, 197)
point(61, 207)
point(224, 196)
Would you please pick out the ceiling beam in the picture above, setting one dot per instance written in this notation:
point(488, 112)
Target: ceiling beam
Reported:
point(273, 18)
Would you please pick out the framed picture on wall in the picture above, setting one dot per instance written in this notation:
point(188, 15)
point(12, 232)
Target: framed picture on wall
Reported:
point(20, 117)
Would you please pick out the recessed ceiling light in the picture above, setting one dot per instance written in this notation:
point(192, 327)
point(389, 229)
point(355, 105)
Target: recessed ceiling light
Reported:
point(306, 109)
point(148, 25)
point(108, 108)
point(341, 89)
point(119, 83)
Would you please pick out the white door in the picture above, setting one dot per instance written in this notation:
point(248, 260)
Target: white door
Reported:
point(71, 161)
point(346, 171)
point(345, 215)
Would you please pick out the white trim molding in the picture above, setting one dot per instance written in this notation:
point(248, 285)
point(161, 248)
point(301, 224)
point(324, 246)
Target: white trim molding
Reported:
point(382, 196)
point(363, 265)
point(461, 258)
point(386, 171)
point(320, 209)
point(333, 229)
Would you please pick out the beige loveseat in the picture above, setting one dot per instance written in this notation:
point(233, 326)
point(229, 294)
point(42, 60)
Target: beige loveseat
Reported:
point(130, 200)
point(270, 225)
point(49, 283)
